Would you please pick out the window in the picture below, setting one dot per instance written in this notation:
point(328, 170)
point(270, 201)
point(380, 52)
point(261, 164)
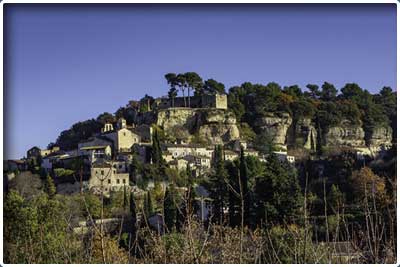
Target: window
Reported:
point(95, 172)
point(124, 134)
point(109, 181)
point(115, 171)
point(102, 172)
point(120, 166)
point(123, 181)
point(117, 181)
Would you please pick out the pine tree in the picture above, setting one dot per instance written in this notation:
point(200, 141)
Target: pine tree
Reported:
point(170, 208)
point(49, 187)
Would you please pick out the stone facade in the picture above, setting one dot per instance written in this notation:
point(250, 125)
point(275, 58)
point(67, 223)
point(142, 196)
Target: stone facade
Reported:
point(218, 101)
point(106, 174)
point(123, 139)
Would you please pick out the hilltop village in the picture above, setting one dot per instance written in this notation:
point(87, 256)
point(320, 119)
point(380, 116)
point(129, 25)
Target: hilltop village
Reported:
point(308, 164)
point(107, 155)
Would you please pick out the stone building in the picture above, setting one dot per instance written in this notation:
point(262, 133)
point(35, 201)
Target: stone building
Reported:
point(96, 153)
point(34, 152)
point(122, 137)
point(218, 101)
point(182, 150)
point(106, 175)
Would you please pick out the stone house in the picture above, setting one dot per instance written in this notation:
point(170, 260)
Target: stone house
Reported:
point(251, 152)
point(182, 150)
point(106, 174)
point(122, 137)
point(34, 152)
point(96, 153)
point(230, 155)
point(96, 141)
point(46, 152)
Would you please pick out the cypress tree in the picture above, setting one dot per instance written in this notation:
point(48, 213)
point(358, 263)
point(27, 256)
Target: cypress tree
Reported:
point(170, 208)
point(147, 205)
point(125, 199)
point(156, 154)
point(132, 208)
point(233, 200)
point(244, 183)
point(218, 186)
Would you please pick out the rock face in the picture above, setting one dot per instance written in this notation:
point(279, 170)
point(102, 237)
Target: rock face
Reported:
point(380, 136)
point(347, 134)
point(306, 134)
point(215, 126)
point(168, 119)
point(275, 125)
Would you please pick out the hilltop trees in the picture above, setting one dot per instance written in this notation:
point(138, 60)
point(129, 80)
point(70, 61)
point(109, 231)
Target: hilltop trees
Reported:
point(69, 139)
point(191, 81)
point(211, 86)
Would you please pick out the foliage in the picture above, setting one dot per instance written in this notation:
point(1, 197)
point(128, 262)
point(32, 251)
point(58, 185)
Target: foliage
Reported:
point(49, 187)
point(278, 193)
point(28, 185)
point(60, 172)
point(35, 230)
point(367, 185)
point(70, 138)
point(217, 185)
point(170, 207)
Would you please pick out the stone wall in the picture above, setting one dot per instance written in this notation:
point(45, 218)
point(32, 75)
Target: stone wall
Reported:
point(206, 101)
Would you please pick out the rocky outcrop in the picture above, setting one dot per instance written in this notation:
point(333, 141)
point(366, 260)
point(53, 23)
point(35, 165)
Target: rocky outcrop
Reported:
point(215, 126)
point(380, 136)
point(169, 119)
point(346, 134)
point(276, 126)
point(305, 134)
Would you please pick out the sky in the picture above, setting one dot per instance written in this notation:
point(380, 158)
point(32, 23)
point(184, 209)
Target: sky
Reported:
point(69, 63)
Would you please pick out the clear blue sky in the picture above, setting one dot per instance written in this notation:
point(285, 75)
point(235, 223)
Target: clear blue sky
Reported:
point(66, 64)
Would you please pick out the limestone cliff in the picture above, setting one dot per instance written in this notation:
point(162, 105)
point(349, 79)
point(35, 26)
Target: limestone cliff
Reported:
point(215, 126)
point(304, 134)
point(380, 136)
point(275, 125)
point(345, 134)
